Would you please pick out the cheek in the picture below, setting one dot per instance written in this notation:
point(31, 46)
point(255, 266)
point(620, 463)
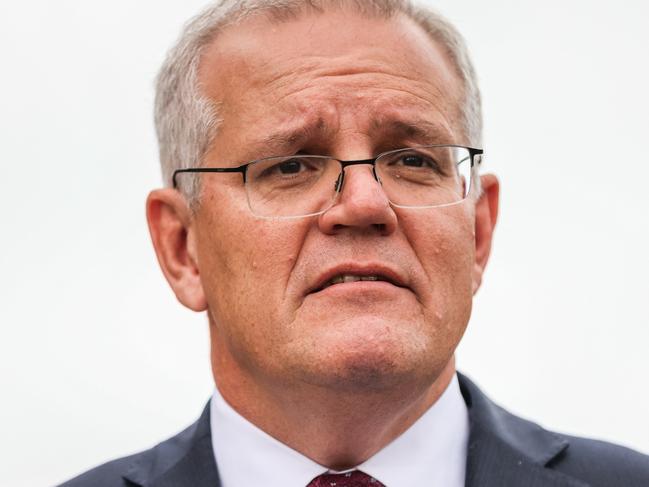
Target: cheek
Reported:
point(444, 246)
point(245, 264)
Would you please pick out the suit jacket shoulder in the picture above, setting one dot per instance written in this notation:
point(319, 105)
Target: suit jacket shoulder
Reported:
point(504, 451)
point(107, 475)
point(603, 463)
point(186, 459)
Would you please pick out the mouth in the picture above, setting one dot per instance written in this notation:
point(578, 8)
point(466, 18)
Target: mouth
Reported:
point(334, 278)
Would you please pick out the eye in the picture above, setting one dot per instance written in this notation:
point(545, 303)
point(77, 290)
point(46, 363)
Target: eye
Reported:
point(284, 167)
point(415, 161)
point(292, 166)
point(283, 170)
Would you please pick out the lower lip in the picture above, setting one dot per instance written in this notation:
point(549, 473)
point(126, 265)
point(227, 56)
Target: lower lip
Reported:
point(358, 287)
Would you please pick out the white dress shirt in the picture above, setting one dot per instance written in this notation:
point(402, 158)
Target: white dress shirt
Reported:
point(432, 452)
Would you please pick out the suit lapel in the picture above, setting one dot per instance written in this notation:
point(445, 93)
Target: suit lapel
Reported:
point(505, 450)
point(186, 460)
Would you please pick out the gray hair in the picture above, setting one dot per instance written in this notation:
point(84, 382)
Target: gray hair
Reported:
point(186, 120)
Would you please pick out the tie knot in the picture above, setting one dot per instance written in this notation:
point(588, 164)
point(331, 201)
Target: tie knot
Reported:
point(355, 478)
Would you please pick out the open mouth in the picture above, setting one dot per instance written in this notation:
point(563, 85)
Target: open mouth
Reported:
point(348, 278)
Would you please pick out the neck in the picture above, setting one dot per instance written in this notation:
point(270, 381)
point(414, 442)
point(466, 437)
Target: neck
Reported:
point(338, 430)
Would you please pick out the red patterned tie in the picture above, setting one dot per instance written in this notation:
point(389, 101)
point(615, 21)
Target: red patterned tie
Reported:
point(349, 479)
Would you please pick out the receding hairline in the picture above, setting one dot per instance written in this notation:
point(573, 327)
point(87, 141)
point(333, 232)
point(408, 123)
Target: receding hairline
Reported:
point(294, 15)
point(288, 12)
point(282, 11)
point(187, 120)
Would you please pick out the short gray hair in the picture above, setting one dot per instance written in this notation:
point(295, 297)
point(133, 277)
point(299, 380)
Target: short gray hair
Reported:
point(186, 120)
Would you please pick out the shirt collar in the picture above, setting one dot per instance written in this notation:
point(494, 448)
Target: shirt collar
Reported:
point(431, 452)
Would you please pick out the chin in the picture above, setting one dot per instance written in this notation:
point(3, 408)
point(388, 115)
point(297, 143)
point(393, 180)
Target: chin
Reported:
point(369, 357)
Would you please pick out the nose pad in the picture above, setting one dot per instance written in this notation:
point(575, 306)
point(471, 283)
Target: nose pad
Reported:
point(338, 185)
point(376, 176)
point(339, 182)
point(363, 206)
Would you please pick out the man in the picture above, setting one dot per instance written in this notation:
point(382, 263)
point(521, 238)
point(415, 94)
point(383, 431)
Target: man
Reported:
point(324, 207)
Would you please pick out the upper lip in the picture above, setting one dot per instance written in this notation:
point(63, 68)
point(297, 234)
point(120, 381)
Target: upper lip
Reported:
point(382, 271)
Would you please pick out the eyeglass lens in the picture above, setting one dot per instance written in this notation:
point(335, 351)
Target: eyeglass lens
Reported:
point(306, 185)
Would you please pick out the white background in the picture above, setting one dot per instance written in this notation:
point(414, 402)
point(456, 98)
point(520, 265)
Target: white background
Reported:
point(97, 358)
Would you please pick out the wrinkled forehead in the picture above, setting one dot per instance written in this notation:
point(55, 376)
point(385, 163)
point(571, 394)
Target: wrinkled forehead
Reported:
point(349, 55)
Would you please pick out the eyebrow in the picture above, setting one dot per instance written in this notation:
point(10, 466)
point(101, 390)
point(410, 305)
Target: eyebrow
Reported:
point(285, 140)
point(420, 130)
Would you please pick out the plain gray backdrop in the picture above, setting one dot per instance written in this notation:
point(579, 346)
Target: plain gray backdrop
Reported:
point(99, 360)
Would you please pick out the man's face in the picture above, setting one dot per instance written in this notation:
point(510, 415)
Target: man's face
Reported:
point(342, 85)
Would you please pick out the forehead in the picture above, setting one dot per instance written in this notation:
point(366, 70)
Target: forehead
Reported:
point(324, 72)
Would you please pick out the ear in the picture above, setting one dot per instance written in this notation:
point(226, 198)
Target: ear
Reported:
point(173, 235)
point(486, 214)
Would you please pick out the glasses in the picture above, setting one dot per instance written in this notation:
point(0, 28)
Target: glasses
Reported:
point(307, 185)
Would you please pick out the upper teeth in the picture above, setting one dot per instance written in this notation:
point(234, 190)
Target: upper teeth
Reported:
point(352, 278)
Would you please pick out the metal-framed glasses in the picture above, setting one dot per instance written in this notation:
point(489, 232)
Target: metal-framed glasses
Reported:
point(306, 185)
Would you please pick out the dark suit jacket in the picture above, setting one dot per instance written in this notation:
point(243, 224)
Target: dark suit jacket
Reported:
point(504, 451)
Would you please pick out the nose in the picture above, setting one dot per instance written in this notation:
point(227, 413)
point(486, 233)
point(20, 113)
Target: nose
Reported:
point(361, 204)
